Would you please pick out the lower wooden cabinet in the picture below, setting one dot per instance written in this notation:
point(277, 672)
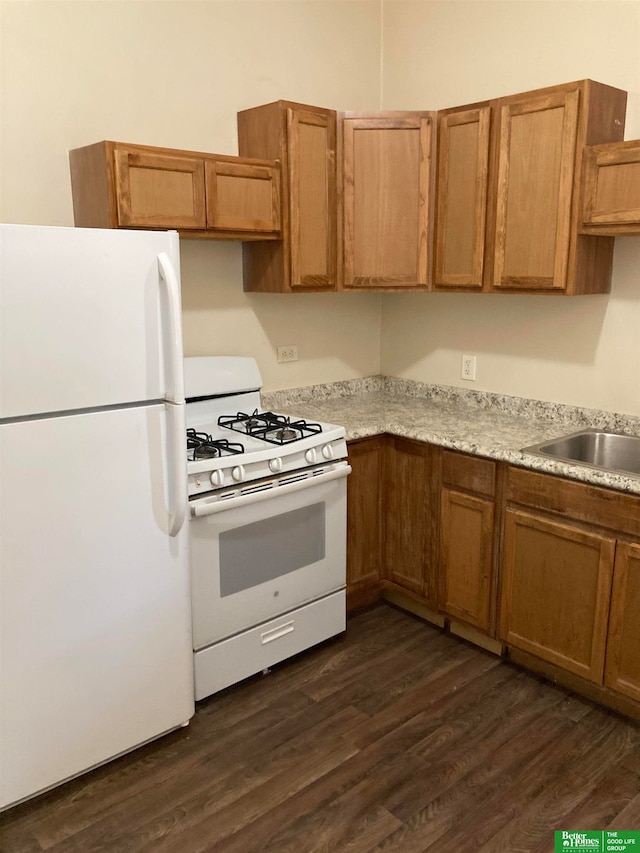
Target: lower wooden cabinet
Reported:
point(364, 520)
point(571, 580)
point(444, 530)
point(556, 586)
point(410, 533)
point(467, 521)
point(622, 669)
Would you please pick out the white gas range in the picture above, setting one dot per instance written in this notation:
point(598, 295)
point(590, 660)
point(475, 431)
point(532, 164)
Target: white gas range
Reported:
point(267, 495)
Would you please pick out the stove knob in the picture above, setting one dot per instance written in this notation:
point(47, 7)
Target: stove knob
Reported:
point(327, 451)
point(311, 455)
point(238, 473)
point(217, 478)
point(275, 465)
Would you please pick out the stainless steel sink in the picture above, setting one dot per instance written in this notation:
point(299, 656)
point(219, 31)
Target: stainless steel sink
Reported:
point(607, 450)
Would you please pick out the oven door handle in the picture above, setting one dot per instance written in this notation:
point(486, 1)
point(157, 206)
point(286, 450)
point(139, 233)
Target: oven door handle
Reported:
point(204, 507)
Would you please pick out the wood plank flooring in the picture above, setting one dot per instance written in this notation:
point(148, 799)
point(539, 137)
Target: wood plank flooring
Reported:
point(392, 737)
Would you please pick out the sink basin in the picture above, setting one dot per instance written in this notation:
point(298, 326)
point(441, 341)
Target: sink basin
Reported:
point(607, 450)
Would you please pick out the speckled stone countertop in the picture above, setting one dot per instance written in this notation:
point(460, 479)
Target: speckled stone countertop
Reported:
point(490, 425)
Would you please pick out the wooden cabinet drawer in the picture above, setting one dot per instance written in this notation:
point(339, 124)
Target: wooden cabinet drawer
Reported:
point(469, 472)
point(580, 502)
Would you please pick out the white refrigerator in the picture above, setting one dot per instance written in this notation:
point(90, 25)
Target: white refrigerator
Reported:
point(95, 626)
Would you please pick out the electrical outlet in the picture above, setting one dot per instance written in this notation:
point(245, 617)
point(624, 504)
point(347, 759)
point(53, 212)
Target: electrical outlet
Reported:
point(468, 367)
point(289, 353)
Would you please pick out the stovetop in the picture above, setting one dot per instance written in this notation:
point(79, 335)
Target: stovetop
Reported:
point(269, 426)
point(232, 440)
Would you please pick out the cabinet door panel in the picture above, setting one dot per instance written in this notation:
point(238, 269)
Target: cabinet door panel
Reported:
point(555, 592)
point(242, 197)
point(408, 495)
point(535, 180)
point(622, 671)
point(463, 158)
point(312, 198)
point(612, 188)
point(157, 191)
point(364, 514)
point(386, 193)
point(466, 557)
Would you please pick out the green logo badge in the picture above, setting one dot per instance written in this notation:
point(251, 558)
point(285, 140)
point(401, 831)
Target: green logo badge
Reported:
point(598, 841)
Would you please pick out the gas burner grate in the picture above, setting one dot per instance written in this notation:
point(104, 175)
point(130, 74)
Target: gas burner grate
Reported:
point(200, 445)
point(276, 429)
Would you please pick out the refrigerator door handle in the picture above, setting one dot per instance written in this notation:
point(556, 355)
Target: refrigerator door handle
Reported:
point(177, 470)
point(175, 381)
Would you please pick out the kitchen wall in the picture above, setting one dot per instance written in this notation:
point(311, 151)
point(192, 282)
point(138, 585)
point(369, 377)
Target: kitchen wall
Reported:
point(584, 351)
point(175, 72)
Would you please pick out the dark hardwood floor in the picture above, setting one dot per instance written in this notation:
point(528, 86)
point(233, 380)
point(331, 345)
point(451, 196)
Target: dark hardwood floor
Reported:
point(391, 737)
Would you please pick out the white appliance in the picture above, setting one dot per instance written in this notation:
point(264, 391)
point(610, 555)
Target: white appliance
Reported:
point(95, 626)
point(267, 496)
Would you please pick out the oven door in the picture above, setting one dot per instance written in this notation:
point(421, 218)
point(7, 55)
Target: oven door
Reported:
point(266, 549)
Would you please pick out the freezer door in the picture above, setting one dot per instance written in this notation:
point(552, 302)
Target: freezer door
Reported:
point(86, 319)
point(95, 626)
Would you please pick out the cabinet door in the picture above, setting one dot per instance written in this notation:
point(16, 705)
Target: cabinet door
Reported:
point(622, 671)
point(611, 202)
point(461, 198)
point(386, 164)
point(158, 191)
point(536, 163)
point(312, 198)
point(409, 477)
point(242, 196)
point(556, 588)
point(364, 515)
point(466, 557)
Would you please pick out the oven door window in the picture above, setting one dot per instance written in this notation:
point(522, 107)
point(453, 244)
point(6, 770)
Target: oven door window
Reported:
point(264, 550)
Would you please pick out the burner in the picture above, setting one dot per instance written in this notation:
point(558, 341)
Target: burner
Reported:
point(283, 434)
point(200, 445)
point(268, 426)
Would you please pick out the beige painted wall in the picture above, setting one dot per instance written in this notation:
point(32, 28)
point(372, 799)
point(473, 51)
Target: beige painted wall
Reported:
point(175, 74)
point(583, 351)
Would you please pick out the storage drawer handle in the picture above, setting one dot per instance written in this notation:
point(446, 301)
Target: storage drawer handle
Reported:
point(276, 633)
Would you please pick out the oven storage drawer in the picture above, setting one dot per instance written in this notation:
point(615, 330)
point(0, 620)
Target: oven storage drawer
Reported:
point(245, 654)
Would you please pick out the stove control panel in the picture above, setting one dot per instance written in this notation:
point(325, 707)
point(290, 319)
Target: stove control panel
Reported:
point(218, 473)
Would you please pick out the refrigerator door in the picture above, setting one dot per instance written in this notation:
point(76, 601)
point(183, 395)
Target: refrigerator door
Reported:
point(95, 628)
point(88, 318)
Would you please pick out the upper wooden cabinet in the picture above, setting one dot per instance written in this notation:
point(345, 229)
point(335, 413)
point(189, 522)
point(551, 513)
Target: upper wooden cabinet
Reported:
point(611, 203)
point(304, 140)
point(462, 175)
point(118, 185)
point(386, 180)
point(523, 154)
